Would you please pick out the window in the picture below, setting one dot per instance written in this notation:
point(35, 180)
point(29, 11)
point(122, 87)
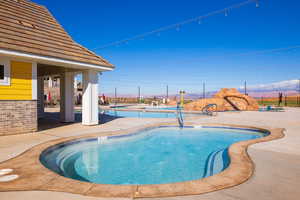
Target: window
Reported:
point(4, 72)
point(1, 72)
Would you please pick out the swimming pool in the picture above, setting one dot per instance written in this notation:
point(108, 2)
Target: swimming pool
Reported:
point(153, 156)
point(161, 108)
point(141, 114)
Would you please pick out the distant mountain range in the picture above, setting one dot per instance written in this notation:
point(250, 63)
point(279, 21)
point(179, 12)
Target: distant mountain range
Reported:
point(288, 88)
point(279, 86)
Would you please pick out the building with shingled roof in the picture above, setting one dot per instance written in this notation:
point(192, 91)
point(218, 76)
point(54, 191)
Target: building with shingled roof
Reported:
point(34, 45)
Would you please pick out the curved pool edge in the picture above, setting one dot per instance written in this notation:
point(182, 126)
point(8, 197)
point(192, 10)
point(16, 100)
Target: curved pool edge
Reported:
point(35, 176)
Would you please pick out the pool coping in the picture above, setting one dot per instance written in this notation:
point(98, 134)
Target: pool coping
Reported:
point(153, 110)
point(35, 176)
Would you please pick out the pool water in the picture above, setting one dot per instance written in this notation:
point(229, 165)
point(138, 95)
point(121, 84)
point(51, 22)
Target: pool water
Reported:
point(162, 108)
point(154, 156)
point(138, 114)
point(144, 114)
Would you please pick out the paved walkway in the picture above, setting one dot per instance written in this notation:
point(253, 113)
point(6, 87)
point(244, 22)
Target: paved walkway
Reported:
point(277, 163)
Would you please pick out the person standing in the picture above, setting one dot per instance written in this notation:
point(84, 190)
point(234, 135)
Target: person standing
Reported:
point(49, 98)
point(280, 99)
point(104, 99)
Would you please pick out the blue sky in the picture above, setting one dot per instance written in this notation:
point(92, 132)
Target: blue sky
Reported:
point(196, 53)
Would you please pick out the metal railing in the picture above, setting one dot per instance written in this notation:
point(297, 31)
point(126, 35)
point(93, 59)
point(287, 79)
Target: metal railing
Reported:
point(210, 109)
point(179, 116)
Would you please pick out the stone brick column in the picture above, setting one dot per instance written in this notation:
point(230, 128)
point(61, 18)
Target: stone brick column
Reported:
point(18, 117)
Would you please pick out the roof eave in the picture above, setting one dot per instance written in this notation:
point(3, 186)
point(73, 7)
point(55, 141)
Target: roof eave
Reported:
point(55, 61)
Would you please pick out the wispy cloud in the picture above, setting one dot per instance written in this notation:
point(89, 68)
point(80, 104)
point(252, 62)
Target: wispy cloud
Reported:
point(282, 85)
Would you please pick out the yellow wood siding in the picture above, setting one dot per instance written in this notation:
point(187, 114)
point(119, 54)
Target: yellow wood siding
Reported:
point(20, 87)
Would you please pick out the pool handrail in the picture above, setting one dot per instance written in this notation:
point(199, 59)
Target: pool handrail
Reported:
point(206, 109)
point(179, 115)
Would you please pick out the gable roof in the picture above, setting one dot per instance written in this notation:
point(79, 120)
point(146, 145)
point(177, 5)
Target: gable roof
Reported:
point(30, 28)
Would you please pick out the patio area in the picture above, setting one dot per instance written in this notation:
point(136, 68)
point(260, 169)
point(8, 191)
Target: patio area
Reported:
point(277, 163)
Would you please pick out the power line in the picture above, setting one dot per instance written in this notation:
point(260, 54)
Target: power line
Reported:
point(179, 24)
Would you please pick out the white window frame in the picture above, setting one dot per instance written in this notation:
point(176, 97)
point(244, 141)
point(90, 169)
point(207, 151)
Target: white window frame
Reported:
point(6, 63)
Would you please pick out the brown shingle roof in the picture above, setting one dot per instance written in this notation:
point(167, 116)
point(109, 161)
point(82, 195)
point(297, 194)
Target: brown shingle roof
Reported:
point(28, 27)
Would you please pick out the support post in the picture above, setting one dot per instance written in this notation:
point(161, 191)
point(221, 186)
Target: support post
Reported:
point(167, 93)
point(40, 96)
point(245, 88)
point(115, 96)
point(299, 93)
point(34, 83)
point(67, 97)
point(285, 100)
point(139, 94)
point(90, 98)
point(203, 90)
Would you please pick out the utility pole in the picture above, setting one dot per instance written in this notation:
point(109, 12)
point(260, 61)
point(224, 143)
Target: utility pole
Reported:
point(139, 94)
point(285, 100)
point(299, 94)
point(203, 90)
point(115, 96)
point(167, 92)
point(245, 88)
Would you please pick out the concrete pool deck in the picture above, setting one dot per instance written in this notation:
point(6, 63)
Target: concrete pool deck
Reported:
point(277, 163)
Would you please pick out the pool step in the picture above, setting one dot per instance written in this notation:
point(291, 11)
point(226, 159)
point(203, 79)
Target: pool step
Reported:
point(216, 162)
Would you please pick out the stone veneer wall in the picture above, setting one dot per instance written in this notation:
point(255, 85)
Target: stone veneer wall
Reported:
point(18, 116)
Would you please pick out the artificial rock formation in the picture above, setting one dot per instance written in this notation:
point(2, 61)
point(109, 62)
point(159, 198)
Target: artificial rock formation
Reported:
point(226, 99)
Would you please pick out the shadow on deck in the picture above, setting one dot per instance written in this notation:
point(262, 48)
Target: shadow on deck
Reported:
point(52, 120)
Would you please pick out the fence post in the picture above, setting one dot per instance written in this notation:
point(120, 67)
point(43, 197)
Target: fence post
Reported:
point(285, 100)
point(115, 96)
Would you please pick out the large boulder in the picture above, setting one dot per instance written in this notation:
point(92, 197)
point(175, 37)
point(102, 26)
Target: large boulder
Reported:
point(226, 99)
point(198, 105)
point(237, 100)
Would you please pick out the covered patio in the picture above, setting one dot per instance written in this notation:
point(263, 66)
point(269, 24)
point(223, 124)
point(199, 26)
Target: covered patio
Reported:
point(66, 112)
